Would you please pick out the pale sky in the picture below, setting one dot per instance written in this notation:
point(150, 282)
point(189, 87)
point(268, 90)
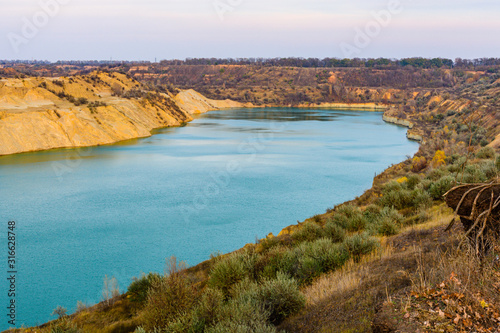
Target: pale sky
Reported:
point(178, 29)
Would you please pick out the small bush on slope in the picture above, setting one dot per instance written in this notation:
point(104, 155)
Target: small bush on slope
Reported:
point(309, 231)
point(231, 270)
point(138, 289)
point(359, 245)
point(169, 297)
point(279, 297)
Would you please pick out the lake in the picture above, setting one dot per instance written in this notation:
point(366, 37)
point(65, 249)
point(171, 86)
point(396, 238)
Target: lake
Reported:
point(224, 180)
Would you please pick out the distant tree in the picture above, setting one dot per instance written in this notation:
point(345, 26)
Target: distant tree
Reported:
point(60, 312)
point(110, 289)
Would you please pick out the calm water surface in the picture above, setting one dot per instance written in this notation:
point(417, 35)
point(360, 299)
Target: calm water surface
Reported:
point(220, 182)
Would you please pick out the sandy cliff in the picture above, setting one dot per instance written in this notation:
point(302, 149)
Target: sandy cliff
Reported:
point(194, 102)
point(97, 109)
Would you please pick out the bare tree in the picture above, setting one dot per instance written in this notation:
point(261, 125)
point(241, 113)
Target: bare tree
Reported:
point(60, 312)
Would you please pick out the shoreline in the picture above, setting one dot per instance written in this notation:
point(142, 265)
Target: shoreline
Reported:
point(373, 107)
point(194, 103)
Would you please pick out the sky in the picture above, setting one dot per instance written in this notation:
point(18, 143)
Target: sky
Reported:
point(178, 29)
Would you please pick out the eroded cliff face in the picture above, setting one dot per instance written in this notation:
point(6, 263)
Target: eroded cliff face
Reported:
point(194, 102)
point(96, 109)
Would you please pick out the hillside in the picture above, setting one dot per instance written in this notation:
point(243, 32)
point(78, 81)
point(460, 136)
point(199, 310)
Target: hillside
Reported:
point(431, 101)
point(96, 109)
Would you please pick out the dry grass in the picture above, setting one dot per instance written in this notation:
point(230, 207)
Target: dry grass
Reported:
point(452, 289)
point(350, 276)
point(350, 299)
point(346, 279)
point(337, 282)
point(438, 216)
point(119, 318)
point(456, 291)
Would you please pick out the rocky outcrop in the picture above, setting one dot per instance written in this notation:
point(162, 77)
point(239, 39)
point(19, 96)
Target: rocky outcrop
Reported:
point(194, 102)
point(97, 109)
point(397, 121)
point(411, 135)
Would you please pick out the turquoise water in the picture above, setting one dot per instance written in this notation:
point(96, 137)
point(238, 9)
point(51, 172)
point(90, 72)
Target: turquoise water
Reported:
point(218, 183)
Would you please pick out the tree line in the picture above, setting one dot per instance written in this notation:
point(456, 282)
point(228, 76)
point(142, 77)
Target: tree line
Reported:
point(385, 63)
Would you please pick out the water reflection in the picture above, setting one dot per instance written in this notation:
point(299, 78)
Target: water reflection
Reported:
point(283, 114)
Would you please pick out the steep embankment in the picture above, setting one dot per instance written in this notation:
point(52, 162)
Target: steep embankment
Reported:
point(98, 109)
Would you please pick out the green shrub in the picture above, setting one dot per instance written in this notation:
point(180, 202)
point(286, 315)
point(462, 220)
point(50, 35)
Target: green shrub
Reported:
point(473, 174)
point(391, 213)
point(412, 182)
point(356, 223)
point(138, 289)
point(279, 297)
point(425, 184)
point(210, 304)
point(340, 220)
point(328, 256)
point(440, 187)
point(169, 297)
point(489, 169)
point(232, 269)
point(485, 153)
point(452, 159)
point(309, 231)
point(359, 245)
point(335, 232)
point(317, 218)
point(309, 268)
point(64, 326)
point(497, 163)
point(438, 173)
point(350, 218)
point(268, 243)
point(182, 323)
point(274, 259)
point(309, 256)
point(457, 165)
point(306, 261)
point(387, 227)
point(205, 314)
point(395, 196)
point(288, 262)
point(140, 330)
point(391, 186)
point(387, 222)
point(242, 317)
point(371, 212)
point(421, 199)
